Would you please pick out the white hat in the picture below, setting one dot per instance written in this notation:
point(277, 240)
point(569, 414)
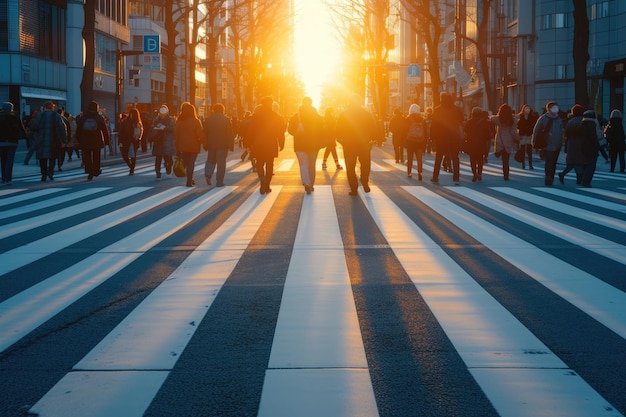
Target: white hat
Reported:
point(414, 109)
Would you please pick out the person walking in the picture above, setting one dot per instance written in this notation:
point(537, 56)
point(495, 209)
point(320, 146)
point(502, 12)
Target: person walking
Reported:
point(548, 136)
point(356, 130)
point(306, 128)
point(414, 140)
point(50, 134)
point(330, 138)
point(614, 133)
point(267, 137)
point(526, 120)
point(506, 136)
point(92, 134)
point(131, 131)
point(219, 139)
point(11, 130)
point(397, 127)
point(188, 137)
point(574, 140)
point(590, 147)
point(477, 131)
point(445, 131)
point(161, 135)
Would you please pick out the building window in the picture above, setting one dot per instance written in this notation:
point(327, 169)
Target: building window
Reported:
point(105, 53)
point(546, 21)
point(600, 10)
point(561, 72)
point(43, 30)
point(560, 20)
point(554, 21)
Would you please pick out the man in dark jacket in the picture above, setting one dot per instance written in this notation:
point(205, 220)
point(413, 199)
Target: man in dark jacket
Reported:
point(220, 138)
point(11, 130)
point(267, 136)
point(92, 134)
point(356, 130)
point(445, 132)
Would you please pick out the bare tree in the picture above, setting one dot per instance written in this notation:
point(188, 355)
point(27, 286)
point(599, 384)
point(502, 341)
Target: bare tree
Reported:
point(425, 19)
point(86, 84)
point(581, 52)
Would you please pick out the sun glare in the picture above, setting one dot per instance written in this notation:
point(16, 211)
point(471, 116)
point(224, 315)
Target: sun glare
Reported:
point(317, 52)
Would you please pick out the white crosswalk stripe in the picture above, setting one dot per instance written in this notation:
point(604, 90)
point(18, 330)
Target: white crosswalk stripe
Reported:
point(318, 362)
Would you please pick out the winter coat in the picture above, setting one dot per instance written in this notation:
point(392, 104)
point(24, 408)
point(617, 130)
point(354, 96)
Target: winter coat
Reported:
point(189, 135)
point(163, 139)
point(525, 127)
point(574, 139)
point(356, 129)
point(127, 131)
point(311, 138)
point(614, 133)
point(590, 146)
point(92, 140)
point(11, 129)
point(218, 131)
point(397, 127)
point(445, 127)
point(555, 137)
point(506, 136)
point(478, 132)
point(267, 133)
point(50, 133)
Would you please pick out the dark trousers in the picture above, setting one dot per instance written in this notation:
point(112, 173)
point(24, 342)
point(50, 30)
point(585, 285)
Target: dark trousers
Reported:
point(551, 157)
point(189, 159)
point(528, 153)
point(615, 155)
point(451, 151)
point(91, 158)
point(216, 158)
point(265, 169)
point(418, 152)
point(363, 155)
point(588, 170)
point(7, 158)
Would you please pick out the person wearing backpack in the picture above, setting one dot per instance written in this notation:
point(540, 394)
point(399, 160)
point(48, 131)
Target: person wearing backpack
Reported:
point(92, 134)
point(415, 140)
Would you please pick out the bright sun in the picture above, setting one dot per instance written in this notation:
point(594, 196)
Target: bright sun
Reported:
point(317, 52)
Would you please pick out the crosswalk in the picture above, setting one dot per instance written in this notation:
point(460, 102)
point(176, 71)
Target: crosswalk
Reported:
point(408, 300)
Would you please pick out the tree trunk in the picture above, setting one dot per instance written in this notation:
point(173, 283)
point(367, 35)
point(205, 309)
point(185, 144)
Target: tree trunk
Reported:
point(170, 69)
point(581, 52)
point(86, 84)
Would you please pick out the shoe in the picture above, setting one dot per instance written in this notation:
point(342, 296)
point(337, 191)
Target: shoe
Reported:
point(307, 189)
point(132, 171)
point(475, 178)
point(561, 178)
point(189, 184)
point(90, 177)
point(366, 188)
point(262, 188)
point(409, 175)
point(208, 180)
point(324, 165)
point(158, 175)
point(168, 169)
point(98, 174)
point(434, 180)
point(43, 177)
point(506, 178)
point(419, 176)
point(51, 175)
point(339, 167)
point(220, 184)
point(353, 192)
point(531, 168)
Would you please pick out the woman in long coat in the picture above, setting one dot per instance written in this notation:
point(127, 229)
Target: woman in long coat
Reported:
point(506, 136)
point(188, 136)
point(131, 132)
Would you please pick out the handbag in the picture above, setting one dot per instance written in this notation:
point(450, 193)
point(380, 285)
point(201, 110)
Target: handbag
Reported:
point(179, 167)
point(519, 155)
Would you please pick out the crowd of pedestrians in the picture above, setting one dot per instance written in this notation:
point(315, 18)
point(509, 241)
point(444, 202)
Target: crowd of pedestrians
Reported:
point(580, 133)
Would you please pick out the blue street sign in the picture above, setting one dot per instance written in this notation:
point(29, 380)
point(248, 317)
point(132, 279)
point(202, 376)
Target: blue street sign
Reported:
point(413, 70)
point(152, 44)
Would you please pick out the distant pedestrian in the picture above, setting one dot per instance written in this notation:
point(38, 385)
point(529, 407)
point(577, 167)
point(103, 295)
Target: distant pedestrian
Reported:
point(526, 120)
point(397, 127)
point(330, 138)
point(131, 131)
point(549, 130)
point(414, 140)
point(574, 140)
point(445, 131)
point(590, 147)
point(220, 138)
point(50, 134)
point(93, 135)
point(614, 133)
point(356, 131)
point(161, 135)
point(189, 137)
point(506, 136)
point(306, 127)
point(267, 137)
point(11, 130)
point(477, 131)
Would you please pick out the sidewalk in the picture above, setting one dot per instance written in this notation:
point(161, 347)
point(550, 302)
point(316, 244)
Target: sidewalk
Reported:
point(20, 170)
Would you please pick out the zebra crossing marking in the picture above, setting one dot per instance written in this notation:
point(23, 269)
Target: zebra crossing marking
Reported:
point(49, 202)
point(489, 339)
point(317, 364)
point(606, 193)
point(66, 212)
point(581, 199)
point(285, 165)
point(33, 251)
point(603, 302)
point(29, 196)
point(146, 345)
point(23, 312)
point(576, 236)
